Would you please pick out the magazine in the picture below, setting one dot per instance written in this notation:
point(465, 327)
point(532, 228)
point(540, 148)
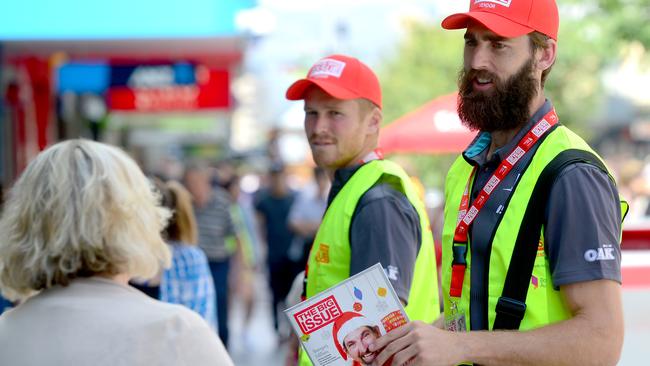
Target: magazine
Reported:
point(335, 326)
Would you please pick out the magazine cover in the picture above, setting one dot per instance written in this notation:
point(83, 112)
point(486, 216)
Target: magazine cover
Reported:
point(336, 326)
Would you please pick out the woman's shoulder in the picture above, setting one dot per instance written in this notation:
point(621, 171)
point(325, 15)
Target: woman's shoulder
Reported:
point(185, 329)
point(129, 321)
point(186, 252)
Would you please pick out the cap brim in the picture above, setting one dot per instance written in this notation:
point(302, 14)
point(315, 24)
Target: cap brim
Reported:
point(297, 90)
point(496, 23)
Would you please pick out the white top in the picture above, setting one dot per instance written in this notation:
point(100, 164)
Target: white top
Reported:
point(96, 321)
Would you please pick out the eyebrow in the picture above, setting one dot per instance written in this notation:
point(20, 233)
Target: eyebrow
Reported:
point(327, 105)
point(486, 36)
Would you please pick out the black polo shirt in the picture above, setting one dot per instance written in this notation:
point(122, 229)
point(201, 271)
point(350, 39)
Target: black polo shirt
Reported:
point(385, 228)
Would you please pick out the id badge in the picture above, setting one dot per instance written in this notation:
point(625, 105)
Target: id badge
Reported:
point(455, 321)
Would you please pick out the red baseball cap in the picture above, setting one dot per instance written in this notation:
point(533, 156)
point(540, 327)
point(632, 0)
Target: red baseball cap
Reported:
point(509, 18)
point(342, 77)
point(344, 325)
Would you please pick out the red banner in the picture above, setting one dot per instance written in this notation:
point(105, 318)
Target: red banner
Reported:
point(213, 93)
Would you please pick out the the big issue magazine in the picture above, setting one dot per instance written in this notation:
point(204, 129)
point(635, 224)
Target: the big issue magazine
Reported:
point(333, 325)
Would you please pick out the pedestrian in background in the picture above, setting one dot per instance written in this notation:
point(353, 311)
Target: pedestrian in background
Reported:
point(530, 205)
point(188, 281)
point(212, 210)
point(245, 269)
point(374, 213)
point(272, 205)
point(80, 221)
point(306, 214)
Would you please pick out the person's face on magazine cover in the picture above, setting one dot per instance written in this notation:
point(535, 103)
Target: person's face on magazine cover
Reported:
point(358, 341)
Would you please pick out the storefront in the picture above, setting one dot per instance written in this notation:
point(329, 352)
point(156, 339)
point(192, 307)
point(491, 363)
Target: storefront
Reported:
point(138, 74)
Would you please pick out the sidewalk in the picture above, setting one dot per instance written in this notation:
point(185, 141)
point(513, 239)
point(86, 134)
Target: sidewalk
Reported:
point(258, 344)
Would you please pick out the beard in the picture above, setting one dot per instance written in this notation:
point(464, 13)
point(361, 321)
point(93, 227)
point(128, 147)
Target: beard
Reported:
point(504, 107)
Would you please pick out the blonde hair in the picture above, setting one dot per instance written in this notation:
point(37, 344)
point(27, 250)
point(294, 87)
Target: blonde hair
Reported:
point(182, 225)
point(366, 106)
point(80, 208)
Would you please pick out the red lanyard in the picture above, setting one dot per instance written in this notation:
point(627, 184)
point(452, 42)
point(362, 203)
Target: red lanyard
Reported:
point(467, 214)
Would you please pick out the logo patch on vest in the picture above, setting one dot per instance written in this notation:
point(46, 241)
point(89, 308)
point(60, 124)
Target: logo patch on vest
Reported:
point(323, 255)
point(537, 282)
point(540, 248)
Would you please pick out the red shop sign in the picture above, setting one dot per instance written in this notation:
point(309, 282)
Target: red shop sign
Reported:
point(214, 93)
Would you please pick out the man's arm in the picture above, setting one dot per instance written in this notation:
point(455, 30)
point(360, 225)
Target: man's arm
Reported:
point(260, 218)
point(385, 228)
point(593, 336)
point(304, 228)
point(305, 216)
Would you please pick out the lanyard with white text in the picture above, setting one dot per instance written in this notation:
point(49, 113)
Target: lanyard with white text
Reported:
point(467, 214)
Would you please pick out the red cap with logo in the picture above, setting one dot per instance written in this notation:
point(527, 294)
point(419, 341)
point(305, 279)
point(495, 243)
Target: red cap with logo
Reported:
point(509, 18)
point(342, 77)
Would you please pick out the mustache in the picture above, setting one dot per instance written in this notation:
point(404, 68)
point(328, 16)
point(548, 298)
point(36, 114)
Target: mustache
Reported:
point(482, 74)
point(465, 78)
point(316, 138)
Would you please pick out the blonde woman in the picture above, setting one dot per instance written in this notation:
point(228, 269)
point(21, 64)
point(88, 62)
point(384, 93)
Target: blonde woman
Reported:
point(188, 281)
point(78, 224)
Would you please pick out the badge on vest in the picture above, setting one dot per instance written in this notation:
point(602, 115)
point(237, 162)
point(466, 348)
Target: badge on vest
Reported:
point(455, 320)
point(323, 254)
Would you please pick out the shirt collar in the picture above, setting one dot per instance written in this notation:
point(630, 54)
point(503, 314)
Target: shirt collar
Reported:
point(341, 176)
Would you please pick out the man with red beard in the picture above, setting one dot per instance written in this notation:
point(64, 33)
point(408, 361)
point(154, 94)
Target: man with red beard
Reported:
point(529, 205)
point(374, 213)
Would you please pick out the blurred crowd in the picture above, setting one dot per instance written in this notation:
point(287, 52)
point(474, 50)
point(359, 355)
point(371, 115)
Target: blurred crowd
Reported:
point(633, 178)
point(233, 225)
point(250, 225)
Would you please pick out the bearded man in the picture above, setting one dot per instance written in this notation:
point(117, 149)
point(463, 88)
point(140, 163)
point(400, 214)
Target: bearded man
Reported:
point(529, 205)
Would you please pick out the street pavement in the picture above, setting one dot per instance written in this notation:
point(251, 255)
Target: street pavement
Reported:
point(257, 343)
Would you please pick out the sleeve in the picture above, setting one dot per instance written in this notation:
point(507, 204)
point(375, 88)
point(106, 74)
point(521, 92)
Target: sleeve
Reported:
point(583, 227)
point(296, 212)
point(386, 228)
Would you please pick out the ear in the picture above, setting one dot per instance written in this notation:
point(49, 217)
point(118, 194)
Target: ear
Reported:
point(374, 120)
point(376, 330)
point(546, 56)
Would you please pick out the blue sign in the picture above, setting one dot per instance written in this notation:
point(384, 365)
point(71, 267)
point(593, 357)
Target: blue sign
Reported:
point(152, 75)
point(97, 77)
point(83, 77)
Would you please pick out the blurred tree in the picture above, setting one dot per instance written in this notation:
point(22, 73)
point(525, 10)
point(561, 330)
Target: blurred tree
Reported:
point(425, 66)
point(626, 20)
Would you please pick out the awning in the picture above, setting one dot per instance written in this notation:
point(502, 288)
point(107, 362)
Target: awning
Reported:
point(434, 128)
